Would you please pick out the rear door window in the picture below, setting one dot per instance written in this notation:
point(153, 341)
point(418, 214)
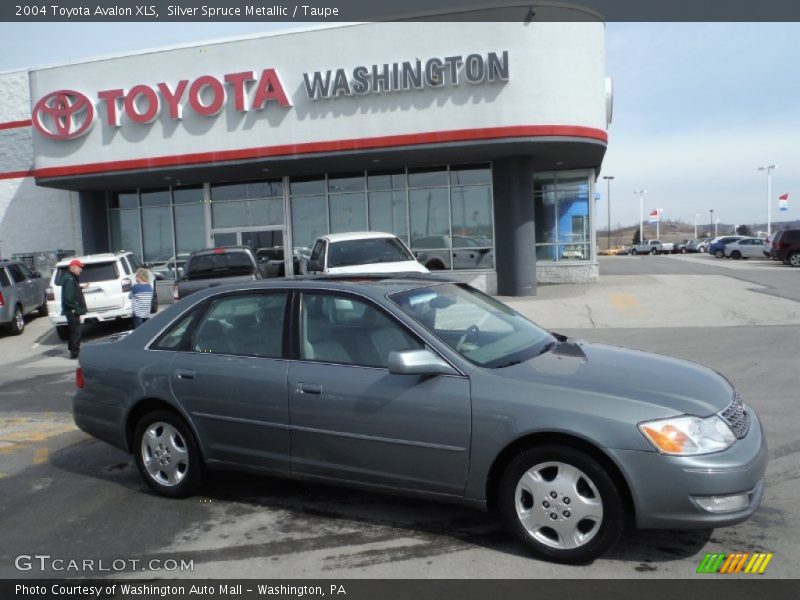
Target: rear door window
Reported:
point(227, 264)
point(4, 281)
point(92, 273)
point(16, 273)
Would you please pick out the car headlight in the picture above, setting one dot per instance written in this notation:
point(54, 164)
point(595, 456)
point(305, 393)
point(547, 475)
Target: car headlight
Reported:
point(687, 436)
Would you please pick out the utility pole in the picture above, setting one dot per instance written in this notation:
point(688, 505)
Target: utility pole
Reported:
point(769, 169)
point(641, 194)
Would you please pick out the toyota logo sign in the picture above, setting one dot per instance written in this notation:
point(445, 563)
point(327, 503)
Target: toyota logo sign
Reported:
point(63, 115)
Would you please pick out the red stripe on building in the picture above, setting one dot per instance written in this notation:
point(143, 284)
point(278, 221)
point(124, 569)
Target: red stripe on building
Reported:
point(389, 141)
point(16, 124)
point(16, 174)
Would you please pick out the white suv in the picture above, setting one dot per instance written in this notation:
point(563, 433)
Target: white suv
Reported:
point(106, 281)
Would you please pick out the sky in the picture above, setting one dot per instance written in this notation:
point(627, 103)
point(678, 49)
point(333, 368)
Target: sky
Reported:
point(698, 107)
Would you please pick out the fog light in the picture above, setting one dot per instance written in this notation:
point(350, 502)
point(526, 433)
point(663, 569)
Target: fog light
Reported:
point(723, 504)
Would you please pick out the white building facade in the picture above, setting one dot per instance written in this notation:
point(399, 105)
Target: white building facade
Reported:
point(477, 143)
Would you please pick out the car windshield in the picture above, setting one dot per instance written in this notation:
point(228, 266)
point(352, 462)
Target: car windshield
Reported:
point(481, 329)
point(367, 252)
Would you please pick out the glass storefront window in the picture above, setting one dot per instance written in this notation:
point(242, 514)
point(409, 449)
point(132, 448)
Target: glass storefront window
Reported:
point(427, 177)
point(470, 174)
point(563, 226)
point(473, 238)
point(430, 227)
point(388, 212)
point(304, 186)
point(125, 200)
point(348, 212)
point(346, 183)
point(309, 220)
point(125, 230)
point(156, 198)
point(157, 234)
point(190, 228)
point(388, 180)
point(247, 213)
point(188, 195)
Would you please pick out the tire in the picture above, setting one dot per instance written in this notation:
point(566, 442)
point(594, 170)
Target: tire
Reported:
point(62, 331)
point(719, 254)
point(559, 480)
point(736, 255)
point(654, 252)
point(633, 252)
point(794, 259)
point(167, 455)
point(43, 312)
point(17, 324)
point(683, 251)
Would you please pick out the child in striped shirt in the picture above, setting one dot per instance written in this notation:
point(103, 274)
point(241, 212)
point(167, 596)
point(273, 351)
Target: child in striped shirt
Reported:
point(141, 297)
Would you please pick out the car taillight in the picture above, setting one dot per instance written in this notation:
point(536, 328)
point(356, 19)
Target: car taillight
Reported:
point(175, 295)
point(126, 284)
point(79, 382)
point(2, 300)
point(50, 294)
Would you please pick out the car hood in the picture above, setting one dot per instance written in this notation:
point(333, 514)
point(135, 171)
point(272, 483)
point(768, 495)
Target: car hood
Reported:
point(406, 266)
point(679, 386)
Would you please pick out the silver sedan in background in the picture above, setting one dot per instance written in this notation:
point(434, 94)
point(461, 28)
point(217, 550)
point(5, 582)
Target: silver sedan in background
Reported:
point(420, 385)
point(751, 247)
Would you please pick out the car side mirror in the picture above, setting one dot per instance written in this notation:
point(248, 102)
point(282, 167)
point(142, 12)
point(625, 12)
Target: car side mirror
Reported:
point(313, 266)
point(418, 362)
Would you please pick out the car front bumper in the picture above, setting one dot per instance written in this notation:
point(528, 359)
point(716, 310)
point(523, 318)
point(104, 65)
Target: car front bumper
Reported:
point(666, 489)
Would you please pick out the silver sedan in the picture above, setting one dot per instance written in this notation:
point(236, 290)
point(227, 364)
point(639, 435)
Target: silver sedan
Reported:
point(745, 248)
point(420, 385)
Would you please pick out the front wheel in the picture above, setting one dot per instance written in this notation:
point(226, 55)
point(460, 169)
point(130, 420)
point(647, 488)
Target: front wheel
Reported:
point(17, 325)
point(719, 253)
point(794, 259)
point(654, 251)
point(561, 504)
point(633, 252)
point(167, 454)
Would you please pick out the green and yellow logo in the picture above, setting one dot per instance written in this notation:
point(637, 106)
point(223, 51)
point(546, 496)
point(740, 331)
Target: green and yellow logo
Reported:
point(735, 562)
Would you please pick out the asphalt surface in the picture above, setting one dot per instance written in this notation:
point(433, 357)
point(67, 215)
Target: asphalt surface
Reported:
point(68, 496)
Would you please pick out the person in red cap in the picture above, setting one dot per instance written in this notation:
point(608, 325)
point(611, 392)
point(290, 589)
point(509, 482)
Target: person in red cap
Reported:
point(73, 305)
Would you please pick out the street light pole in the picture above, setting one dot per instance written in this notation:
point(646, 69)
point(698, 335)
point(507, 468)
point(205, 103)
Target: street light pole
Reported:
point(696, 216)
point(769, 169)
point(716, 226)
point(711, 222)
point(641, 213)
point(608, 179)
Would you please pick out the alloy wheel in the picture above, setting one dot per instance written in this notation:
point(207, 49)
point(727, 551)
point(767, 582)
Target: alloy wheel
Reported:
point(165, 454)
point(558, 505)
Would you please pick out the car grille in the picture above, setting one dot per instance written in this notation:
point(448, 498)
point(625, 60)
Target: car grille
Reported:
point(737, 417)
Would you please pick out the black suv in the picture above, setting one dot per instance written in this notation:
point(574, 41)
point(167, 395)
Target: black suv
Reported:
point(786, 246)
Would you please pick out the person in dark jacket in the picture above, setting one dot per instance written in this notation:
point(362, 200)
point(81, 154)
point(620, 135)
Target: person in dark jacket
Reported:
point(73, 305)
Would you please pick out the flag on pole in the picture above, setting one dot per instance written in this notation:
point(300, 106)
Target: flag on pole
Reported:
point(783, 202)
point(653, 216)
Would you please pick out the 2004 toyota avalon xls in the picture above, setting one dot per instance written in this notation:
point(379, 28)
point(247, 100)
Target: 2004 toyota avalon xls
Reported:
point(420, 385)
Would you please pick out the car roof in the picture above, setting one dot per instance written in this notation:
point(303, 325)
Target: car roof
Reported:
point(355, 235)
point(372, 285)
point(93, 258)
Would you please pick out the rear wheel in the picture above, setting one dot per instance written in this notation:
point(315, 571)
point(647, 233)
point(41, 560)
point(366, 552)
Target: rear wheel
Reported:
point(17, 324)
point(794, 259)
point(561, 504)
point(167, 455)
point(633, 252)
point(62, 331)
point(719, 253)
point(654, 251)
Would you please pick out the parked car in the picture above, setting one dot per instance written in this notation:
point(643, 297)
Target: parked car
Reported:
point(362, 252)
point(22, 292)
point(647, 247)
point(106, 281)
point(703, 245)
point(786, 246)
point(680, 247)
point(169, 269)
point(434, 252)
point(422, 385)
point(215, 266)
point(717, 246)
point(694, 246)
point(749, 247)
point(616, 250)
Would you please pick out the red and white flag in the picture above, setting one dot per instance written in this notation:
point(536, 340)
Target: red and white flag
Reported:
point(783, 202)
point(654, 216)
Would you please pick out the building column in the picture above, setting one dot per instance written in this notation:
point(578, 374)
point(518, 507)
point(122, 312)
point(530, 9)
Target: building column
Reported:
point(514, 226)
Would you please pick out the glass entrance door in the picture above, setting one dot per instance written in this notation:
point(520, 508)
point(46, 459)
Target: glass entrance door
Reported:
point(266, 242)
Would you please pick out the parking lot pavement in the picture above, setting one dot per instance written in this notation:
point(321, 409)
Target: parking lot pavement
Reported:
point(67, 495)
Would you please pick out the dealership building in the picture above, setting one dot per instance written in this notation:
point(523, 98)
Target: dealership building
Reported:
point(477, 143)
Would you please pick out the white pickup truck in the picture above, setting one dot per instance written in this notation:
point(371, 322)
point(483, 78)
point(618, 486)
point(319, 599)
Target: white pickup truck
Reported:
point(653, 247)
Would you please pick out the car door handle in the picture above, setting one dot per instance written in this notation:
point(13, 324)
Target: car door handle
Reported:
point(184, 374)
point(309, 388)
